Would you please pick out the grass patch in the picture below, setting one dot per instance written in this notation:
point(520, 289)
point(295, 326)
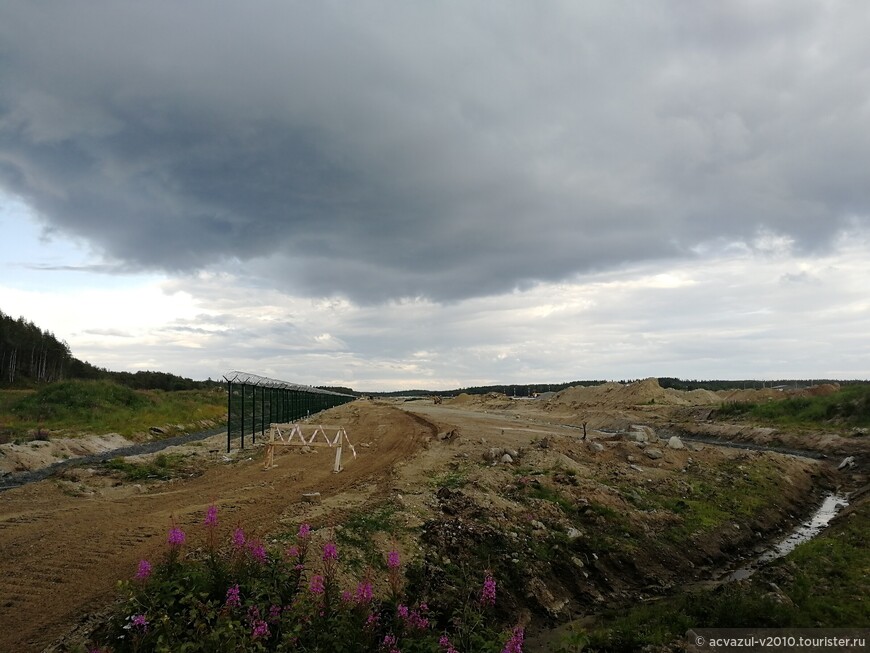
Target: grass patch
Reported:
point(103, 407)
point(823, 583)
point(358, 531)
point(661, 623)
point(546, 493)
point(850, 406)
point(453, 480)
point(163, 467)
point(828, 578)
point(705, 499)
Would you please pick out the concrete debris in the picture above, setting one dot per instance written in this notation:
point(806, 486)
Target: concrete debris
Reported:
point(311, 497)
point(448, 436)
point(848, 463)
point(642, 433)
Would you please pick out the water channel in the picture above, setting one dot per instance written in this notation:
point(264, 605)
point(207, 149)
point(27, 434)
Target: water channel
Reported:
point(806, 531)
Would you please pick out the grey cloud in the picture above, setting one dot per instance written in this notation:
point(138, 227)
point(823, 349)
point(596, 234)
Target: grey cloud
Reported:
point(99, 268)
point(380, 150)
point(114, 333)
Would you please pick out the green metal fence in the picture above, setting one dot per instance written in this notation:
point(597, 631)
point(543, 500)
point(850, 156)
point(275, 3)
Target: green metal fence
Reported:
point(254, 402)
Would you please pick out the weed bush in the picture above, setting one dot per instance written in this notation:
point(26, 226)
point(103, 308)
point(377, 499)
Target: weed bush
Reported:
point(66, 398)
point(245, 597)
point(163, 467)
point(103, 407)
point(849, 406)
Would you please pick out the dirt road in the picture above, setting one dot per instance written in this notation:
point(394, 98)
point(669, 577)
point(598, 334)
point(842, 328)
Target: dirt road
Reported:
point(62, 555)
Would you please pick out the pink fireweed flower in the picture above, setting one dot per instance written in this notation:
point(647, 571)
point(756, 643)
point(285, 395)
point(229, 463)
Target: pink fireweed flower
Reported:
point(233, 600)
point(330, 552)
point(304, 531)
point(316, 584)
point(515, 643)
point(487, 594)
point(402, 611)
point(372, 620)
point(139, 621)
point(389, 644)
point(211, 519)
point(292, 552)
point(393, 559)
point(144, 570)
point(416, 620)
point(238, 538)
point(274, 613)
point(257, 551)
point(346, 596)
point(176, 537)
point(444, 642)
point(364, 592)
point(259, 629)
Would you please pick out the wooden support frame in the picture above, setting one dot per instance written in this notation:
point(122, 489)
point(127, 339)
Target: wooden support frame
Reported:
point(292, 435)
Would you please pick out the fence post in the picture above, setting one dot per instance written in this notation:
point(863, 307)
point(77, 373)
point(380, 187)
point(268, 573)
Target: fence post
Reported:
point(243, 416)
point(229, 412)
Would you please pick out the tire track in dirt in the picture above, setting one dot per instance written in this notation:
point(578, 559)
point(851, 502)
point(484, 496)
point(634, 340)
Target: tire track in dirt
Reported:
point(63, 555)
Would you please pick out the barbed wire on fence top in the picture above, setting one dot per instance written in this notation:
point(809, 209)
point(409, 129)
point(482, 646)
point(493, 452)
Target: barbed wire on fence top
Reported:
point(247, 378)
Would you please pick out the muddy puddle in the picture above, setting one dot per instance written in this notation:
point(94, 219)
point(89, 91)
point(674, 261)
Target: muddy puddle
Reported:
point(806, 531)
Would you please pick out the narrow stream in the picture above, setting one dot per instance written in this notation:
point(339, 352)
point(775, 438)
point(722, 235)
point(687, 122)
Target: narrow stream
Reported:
point(832, 505)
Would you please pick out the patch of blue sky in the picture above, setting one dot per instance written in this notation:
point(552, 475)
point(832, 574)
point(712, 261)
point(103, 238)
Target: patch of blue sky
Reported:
point(36, 259)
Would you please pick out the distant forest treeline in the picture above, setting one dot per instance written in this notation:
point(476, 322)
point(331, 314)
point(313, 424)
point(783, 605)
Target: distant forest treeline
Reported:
point(531, 389)
point(30, 356)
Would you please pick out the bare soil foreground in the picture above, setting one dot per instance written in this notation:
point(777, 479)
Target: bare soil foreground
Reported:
point(568, 526)
point(66, 543)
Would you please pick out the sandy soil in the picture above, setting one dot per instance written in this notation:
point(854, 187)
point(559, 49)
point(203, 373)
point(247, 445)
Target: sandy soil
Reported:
point(63, 553)
point(40, 453)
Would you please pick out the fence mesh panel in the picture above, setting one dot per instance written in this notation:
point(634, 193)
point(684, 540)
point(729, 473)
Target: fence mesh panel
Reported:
point(254, 402)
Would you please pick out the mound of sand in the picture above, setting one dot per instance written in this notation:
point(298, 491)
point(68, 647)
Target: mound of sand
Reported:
point(821, 390)
point(648, 391)
point(750, 396)
point(701, 397)
point(490, 399)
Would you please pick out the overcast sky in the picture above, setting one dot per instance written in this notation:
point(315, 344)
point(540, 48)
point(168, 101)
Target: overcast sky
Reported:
point(401, 194)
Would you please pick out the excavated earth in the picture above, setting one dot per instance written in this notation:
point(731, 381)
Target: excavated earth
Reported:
point(66, 542)
point(570, 526)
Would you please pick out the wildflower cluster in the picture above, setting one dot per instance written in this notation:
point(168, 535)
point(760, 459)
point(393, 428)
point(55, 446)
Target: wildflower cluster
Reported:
point(247, 598)
point(176, 537)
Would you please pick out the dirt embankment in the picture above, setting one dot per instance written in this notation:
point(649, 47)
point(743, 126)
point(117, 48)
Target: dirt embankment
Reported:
point(577, 526)
point(64, 552)
point(825, 444)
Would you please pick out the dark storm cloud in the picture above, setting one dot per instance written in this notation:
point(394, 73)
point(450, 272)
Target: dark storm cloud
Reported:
point(382, 150)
